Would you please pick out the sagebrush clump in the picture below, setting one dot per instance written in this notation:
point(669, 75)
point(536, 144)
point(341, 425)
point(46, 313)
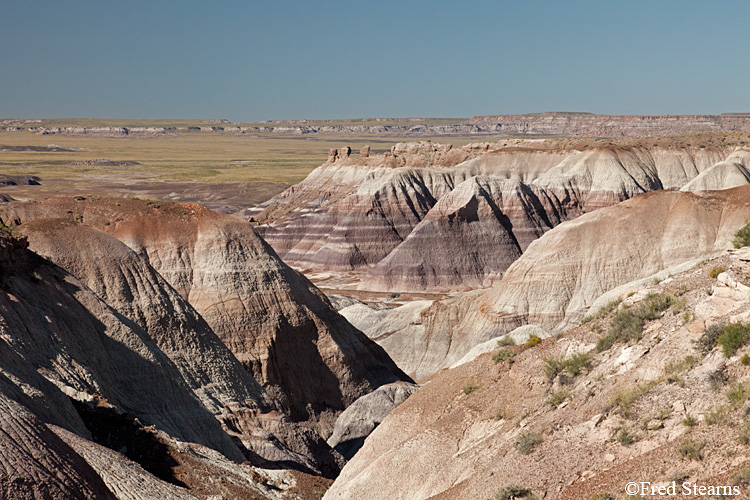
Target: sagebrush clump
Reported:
point(742, 236)
point(528, 441)
point(502, 355)
point(627, 325)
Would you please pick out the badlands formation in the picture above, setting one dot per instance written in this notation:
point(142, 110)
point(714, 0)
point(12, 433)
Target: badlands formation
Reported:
point(172, 335)
point(378, 215)
point(163, 350)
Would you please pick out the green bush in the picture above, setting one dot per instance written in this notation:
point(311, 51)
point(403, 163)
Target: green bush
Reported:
point(689, 421)
point(528, 441)
point(558, 397)
point(690, 449)
point(625, 438)
point(716, 271)
point(605, 309)
point(577, 363)
point(553, 366)
point(469, 387)
point(707, 341)
point(742, 237)
point(625, 326)
point(574, 365)
point(738, 393)
point(654, 304)
point(512, 492)
point(502, 355)
point(734, 336)
point(506, 341)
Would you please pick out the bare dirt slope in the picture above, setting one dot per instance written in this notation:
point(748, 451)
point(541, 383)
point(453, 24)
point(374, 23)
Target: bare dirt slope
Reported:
point(578, 416)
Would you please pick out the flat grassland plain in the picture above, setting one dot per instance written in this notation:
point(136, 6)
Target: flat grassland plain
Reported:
point(224, 170)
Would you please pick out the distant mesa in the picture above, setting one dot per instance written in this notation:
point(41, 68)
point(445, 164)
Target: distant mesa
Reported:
point(556, 123)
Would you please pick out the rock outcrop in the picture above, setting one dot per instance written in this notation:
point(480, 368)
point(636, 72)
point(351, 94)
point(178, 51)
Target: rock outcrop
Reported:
point(365, 414)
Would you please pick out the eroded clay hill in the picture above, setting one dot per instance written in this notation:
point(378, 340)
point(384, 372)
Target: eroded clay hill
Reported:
point(196, 332)
point(561, 275)
point(79, 379)
point(484, 204)
point(280, 327)
point(653, 389)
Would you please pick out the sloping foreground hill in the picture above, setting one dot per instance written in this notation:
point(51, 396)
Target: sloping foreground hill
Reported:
point(281, 328)
point(104, 347)
point(484, 203)
point(561, 274)
point(641, 393)
point(73, 370)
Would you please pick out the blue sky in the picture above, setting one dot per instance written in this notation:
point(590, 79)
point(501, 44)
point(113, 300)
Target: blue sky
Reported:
point(255, 60)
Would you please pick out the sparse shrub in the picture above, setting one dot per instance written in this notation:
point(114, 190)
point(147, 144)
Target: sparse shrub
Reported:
point(506, 341)
point(528, 441)
point(717, 379)
point(603, 496)
point(604, 310)
point(743, 433)
point(577, 363)
point(691, 449)
point(499, 416)
point(558, 397)
point(716, 271)
point(718, 416)
point(742, 236)
point(707, 341)
point(680, 366)
point(738, 393)
point(625, 326)
point(625, 399)
point(625, 438)
point(35, 277)
point(689, 421)
point(734, 336)
point(513, 492)
point(469, 387)
point(678, 476)
point(502, 355)
point(688, 316)
point(574, 365)
point(553, 366)
point(533, 341)
point(743, 477)
point(654, 304)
